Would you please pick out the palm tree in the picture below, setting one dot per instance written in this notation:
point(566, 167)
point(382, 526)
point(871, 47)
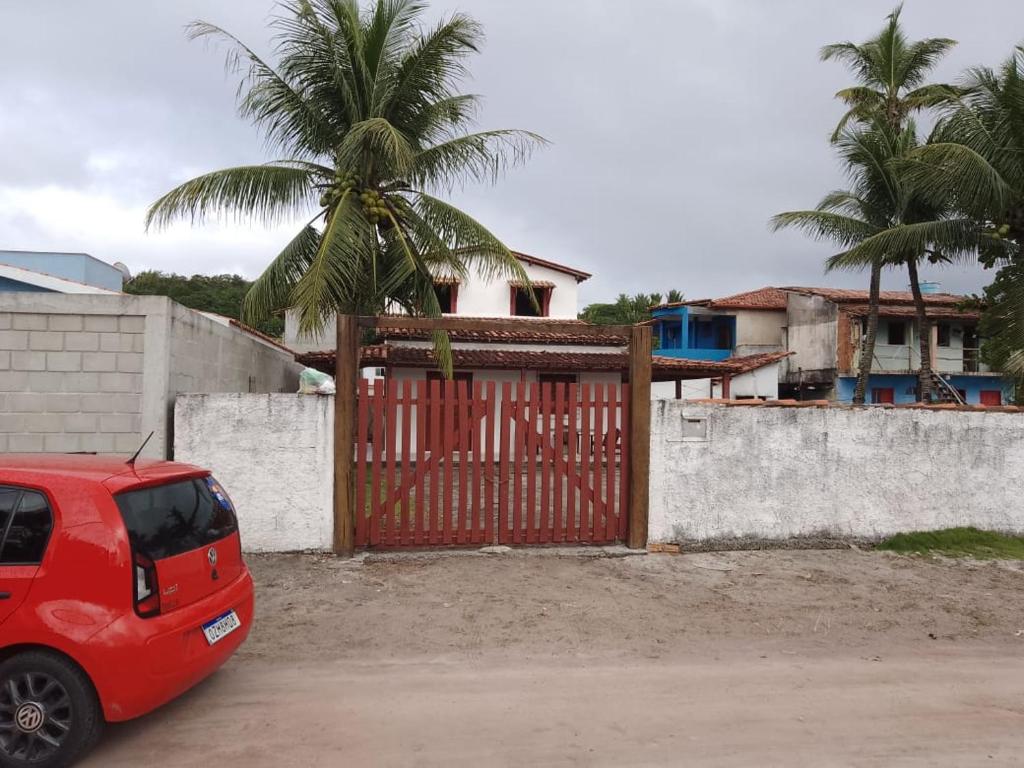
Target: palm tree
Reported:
point(364, 107)
point(873, 203)
point(976, 163)
point(891, 71)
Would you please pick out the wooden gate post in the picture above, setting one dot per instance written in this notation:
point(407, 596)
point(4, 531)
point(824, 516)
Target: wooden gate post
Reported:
point(346, 372)
point(639, 433)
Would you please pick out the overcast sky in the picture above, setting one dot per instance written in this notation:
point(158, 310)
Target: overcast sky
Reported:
point(678, 127)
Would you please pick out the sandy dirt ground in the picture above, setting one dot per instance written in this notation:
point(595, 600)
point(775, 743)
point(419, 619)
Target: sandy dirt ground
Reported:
point(782, 658)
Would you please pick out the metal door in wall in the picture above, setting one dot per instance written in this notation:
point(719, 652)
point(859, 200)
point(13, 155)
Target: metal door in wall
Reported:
point(448, 463)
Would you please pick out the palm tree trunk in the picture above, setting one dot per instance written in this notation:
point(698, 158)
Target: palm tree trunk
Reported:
point(925, 332)
point(867, 351)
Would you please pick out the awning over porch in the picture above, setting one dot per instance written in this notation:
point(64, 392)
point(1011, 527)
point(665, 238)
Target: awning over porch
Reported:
point(662, 368)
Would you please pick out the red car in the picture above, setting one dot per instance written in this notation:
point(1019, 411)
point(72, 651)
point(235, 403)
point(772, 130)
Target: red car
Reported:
point(122, 585)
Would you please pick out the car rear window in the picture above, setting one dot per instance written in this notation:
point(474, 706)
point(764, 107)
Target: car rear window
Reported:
point(167, 520)
point(25, 524)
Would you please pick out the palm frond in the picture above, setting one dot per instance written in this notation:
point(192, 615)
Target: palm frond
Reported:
point(469, 239)
point(267, 193)
point(272, 290)
point(483, 157)
point(825, 225)
point(938, 170)
point(264, 96)
point(341, 275)
point(953, 239)
point(376, 137)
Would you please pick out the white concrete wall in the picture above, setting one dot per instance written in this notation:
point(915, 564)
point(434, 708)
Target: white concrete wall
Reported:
point(759, 330)
point(274, 454)
point(777, 472)
point(811, 335)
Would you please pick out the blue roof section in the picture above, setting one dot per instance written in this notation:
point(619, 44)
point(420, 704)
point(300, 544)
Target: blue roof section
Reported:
point(79, 267)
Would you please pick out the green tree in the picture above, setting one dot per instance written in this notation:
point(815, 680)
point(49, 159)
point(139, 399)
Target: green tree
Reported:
point(891, 71)
point(365, 108)
point(626, 310)
point(976, 164)
point(222, 294)
point(1002, 323)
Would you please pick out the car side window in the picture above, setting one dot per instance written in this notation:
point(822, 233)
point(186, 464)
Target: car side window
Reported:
point(8, 498)
point(23, 538)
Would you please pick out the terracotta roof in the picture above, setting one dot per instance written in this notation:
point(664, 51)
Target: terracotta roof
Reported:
point(258, 334)
point(663, 368)
point(767, 298)
point(510, 337)
point(533, 284)
point(847, 295)
point(579, 274)
point(940, 312)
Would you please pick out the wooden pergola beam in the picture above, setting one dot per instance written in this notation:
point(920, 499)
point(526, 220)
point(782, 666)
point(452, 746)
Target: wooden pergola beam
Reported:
point(621, 332)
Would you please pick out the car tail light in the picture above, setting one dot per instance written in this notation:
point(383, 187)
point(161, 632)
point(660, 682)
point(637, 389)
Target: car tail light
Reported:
point(147, 589)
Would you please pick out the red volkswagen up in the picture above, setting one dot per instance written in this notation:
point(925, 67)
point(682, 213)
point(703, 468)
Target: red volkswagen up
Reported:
point(121, 586)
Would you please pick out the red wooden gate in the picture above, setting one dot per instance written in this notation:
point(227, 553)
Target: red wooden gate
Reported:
point(446, 463)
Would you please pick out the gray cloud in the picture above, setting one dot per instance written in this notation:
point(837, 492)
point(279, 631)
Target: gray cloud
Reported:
point(678, 127)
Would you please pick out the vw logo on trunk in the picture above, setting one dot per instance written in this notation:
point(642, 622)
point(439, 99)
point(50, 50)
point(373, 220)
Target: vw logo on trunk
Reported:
point(29, 717)
point(211, 555)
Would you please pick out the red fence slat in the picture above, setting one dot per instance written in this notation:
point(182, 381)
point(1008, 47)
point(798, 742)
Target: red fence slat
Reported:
point(504, 469)
point(558, 468)
point(530, 508)
point(488, 454)
point(362, 536)
point(624, 463)
point(547, 458)
point(611, 443)
point(421, 458)
point(572, 527)
point(406, 479)
point(585, 453)
point(462, 437)
point(388, 522)
point(434, 430)
point(377, 453)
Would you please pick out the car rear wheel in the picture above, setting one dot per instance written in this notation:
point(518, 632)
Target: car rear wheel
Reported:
point(49, 714)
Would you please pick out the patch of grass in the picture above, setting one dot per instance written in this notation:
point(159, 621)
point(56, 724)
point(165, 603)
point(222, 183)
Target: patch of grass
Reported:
point(958, 542)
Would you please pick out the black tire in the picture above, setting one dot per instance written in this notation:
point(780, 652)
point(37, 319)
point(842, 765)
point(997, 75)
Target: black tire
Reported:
point(49, 689)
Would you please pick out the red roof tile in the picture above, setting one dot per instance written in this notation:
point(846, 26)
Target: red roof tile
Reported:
point(579, 274)
point(763, 298)
point(848, 295)
point(510, 337)
point(663, 368)
point(939, 312)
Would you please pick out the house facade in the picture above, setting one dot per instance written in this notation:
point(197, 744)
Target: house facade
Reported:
point(745, 326)
point(822, 330)
point(555, 286)
point(826, 328)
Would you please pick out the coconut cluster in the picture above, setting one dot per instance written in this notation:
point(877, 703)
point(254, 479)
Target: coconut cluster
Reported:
point(343, 182)
point(373, 205)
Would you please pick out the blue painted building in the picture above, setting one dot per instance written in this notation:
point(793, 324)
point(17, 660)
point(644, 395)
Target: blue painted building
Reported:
point(47, 271)
point(694, 334)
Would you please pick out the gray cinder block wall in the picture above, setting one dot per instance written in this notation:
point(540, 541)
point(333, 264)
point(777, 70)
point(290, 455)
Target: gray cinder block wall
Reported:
point(99, 372)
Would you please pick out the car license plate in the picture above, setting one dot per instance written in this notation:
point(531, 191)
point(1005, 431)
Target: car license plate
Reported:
point(219, 628)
